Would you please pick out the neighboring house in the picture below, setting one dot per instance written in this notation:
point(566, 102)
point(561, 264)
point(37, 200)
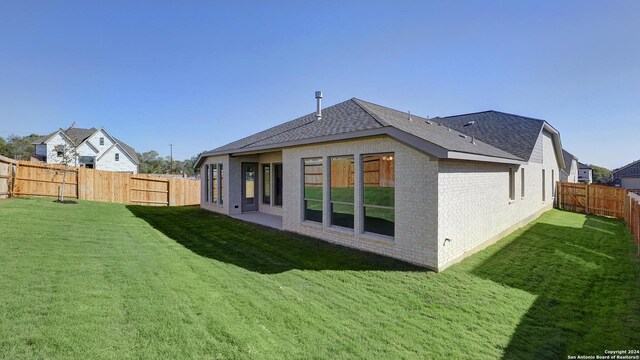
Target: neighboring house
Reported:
point(570, 172)
point(585, 173)
point(627, 176)
point(358, 174)
point(96, 149)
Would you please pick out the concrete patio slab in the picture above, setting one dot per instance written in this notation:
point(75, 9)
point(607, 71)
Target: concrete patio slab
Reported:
point(259, 218)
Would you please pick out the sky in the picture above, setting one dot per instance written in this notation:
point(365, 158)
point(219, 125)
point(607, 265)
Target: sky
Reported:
point(200, 74)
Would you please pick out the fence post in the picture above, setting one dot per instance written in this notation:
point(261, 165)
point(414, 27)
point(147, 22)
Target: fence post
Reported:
point(171, 186)
point(14, 173)
point(586, 202)
point(79, 174)
point(559, 199)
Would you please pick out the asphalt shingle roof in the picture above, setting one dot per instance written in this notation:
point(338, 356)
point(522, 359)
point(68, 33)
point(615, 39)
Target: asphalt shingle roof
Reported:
point(567, 160)
point(78, 135)
point(512, 133)
point(358, 115)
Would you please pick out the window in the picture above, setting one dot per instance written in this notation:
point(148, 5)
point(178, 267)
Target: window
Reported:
point(266, 184)
point(313, 174)
point(221, 177)
point(379, 193)
point(522, 183)
point(512, 184)
point(553, 183)
point(117, 157)
point(214, 184)
point(544, 190)
point(277, 179)
point(101, 141)
point(342, 190)
point(206, 183)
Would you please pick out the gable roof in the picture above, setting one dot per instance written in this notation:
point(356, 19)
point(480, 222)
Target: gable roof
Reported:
point(637, 162)
point(629, 170)
point(357, 118)
point(583, 166)
point(512, 133)
point(568, 159)
point(79, 135)
point(128, 149)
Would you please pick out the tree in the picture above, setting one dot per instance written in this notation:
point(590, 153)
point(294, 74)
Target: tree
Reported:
point(152, 163)
point(18, 147)
point(600, 174)
point(4, 147)
point(67, 156)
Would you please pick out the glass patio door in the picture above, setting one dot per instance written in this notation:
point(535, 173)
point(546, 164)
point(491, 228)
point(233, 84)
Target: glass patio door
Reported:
point(249, 187)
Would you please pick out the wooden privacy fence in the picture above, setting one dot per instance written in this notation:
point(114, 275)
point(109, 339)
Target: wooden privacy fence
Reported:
point(39, 179)
point(591, 199)
point(632, 216)
point(7, 171)
point(602, 200)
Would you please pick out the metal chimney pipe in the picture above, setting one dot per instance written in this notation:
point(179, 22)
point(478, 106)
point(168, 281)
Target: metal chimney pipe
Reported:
point(319, 103)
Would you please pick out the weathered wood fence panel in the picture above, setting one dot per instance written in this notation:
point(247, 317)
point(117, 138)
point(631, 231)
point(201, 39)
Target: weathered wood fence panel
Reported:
point(7, 172)
point(39, 179)
point(591, 199)
point(632, 216)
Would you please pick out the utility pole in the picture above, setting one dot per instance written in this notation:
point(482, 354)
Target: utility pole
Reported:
point(171, 158)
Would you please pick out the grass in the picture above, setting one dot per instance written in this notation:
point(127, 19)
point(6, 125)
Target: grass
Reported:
point(105, 281)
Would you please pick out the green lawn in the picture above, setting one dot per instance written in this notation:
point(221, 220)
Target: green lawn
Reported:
point(106, 281)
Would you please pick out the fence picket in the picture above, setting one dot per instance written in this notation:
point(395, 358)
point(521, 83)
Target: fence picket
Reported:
point(602, 200)
point(38, 179)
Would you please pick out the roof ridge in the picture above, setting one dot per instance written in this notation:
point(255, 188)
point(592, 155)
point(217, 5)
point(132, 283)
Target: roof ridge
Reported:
point(467, 114)
point(375, 117)
point(492, 111)
point(278, 133)
point(626, 166)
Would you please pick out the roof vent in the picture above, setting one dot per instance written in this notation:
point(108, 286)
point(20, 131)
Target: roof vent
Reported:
point(462, 136)
point(319, 105)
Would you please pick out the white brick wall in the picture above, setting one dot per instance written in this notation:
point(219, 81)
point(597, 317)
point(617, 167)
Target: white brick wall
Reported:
point(108, 161)
point(572, 177)
point(415, 198)
point(474, 208)
point(269, 158)
point(465, 202)
point(224, 208)
point(51, 146)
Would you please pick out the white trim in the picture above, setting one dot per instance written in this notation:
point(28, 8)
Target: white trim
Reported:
point(483, 158)
point(416, 142)
point(557, 143)
point(116, 144)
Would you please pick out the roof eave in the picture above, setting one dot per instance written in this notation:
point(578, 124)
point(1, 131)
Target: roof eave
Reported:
point(457, 155)
point(397, 134)
point(558, 148)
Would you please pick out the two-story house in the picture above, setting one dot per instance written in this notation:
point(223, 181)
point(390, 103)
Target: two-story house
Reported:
point(96, 149)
